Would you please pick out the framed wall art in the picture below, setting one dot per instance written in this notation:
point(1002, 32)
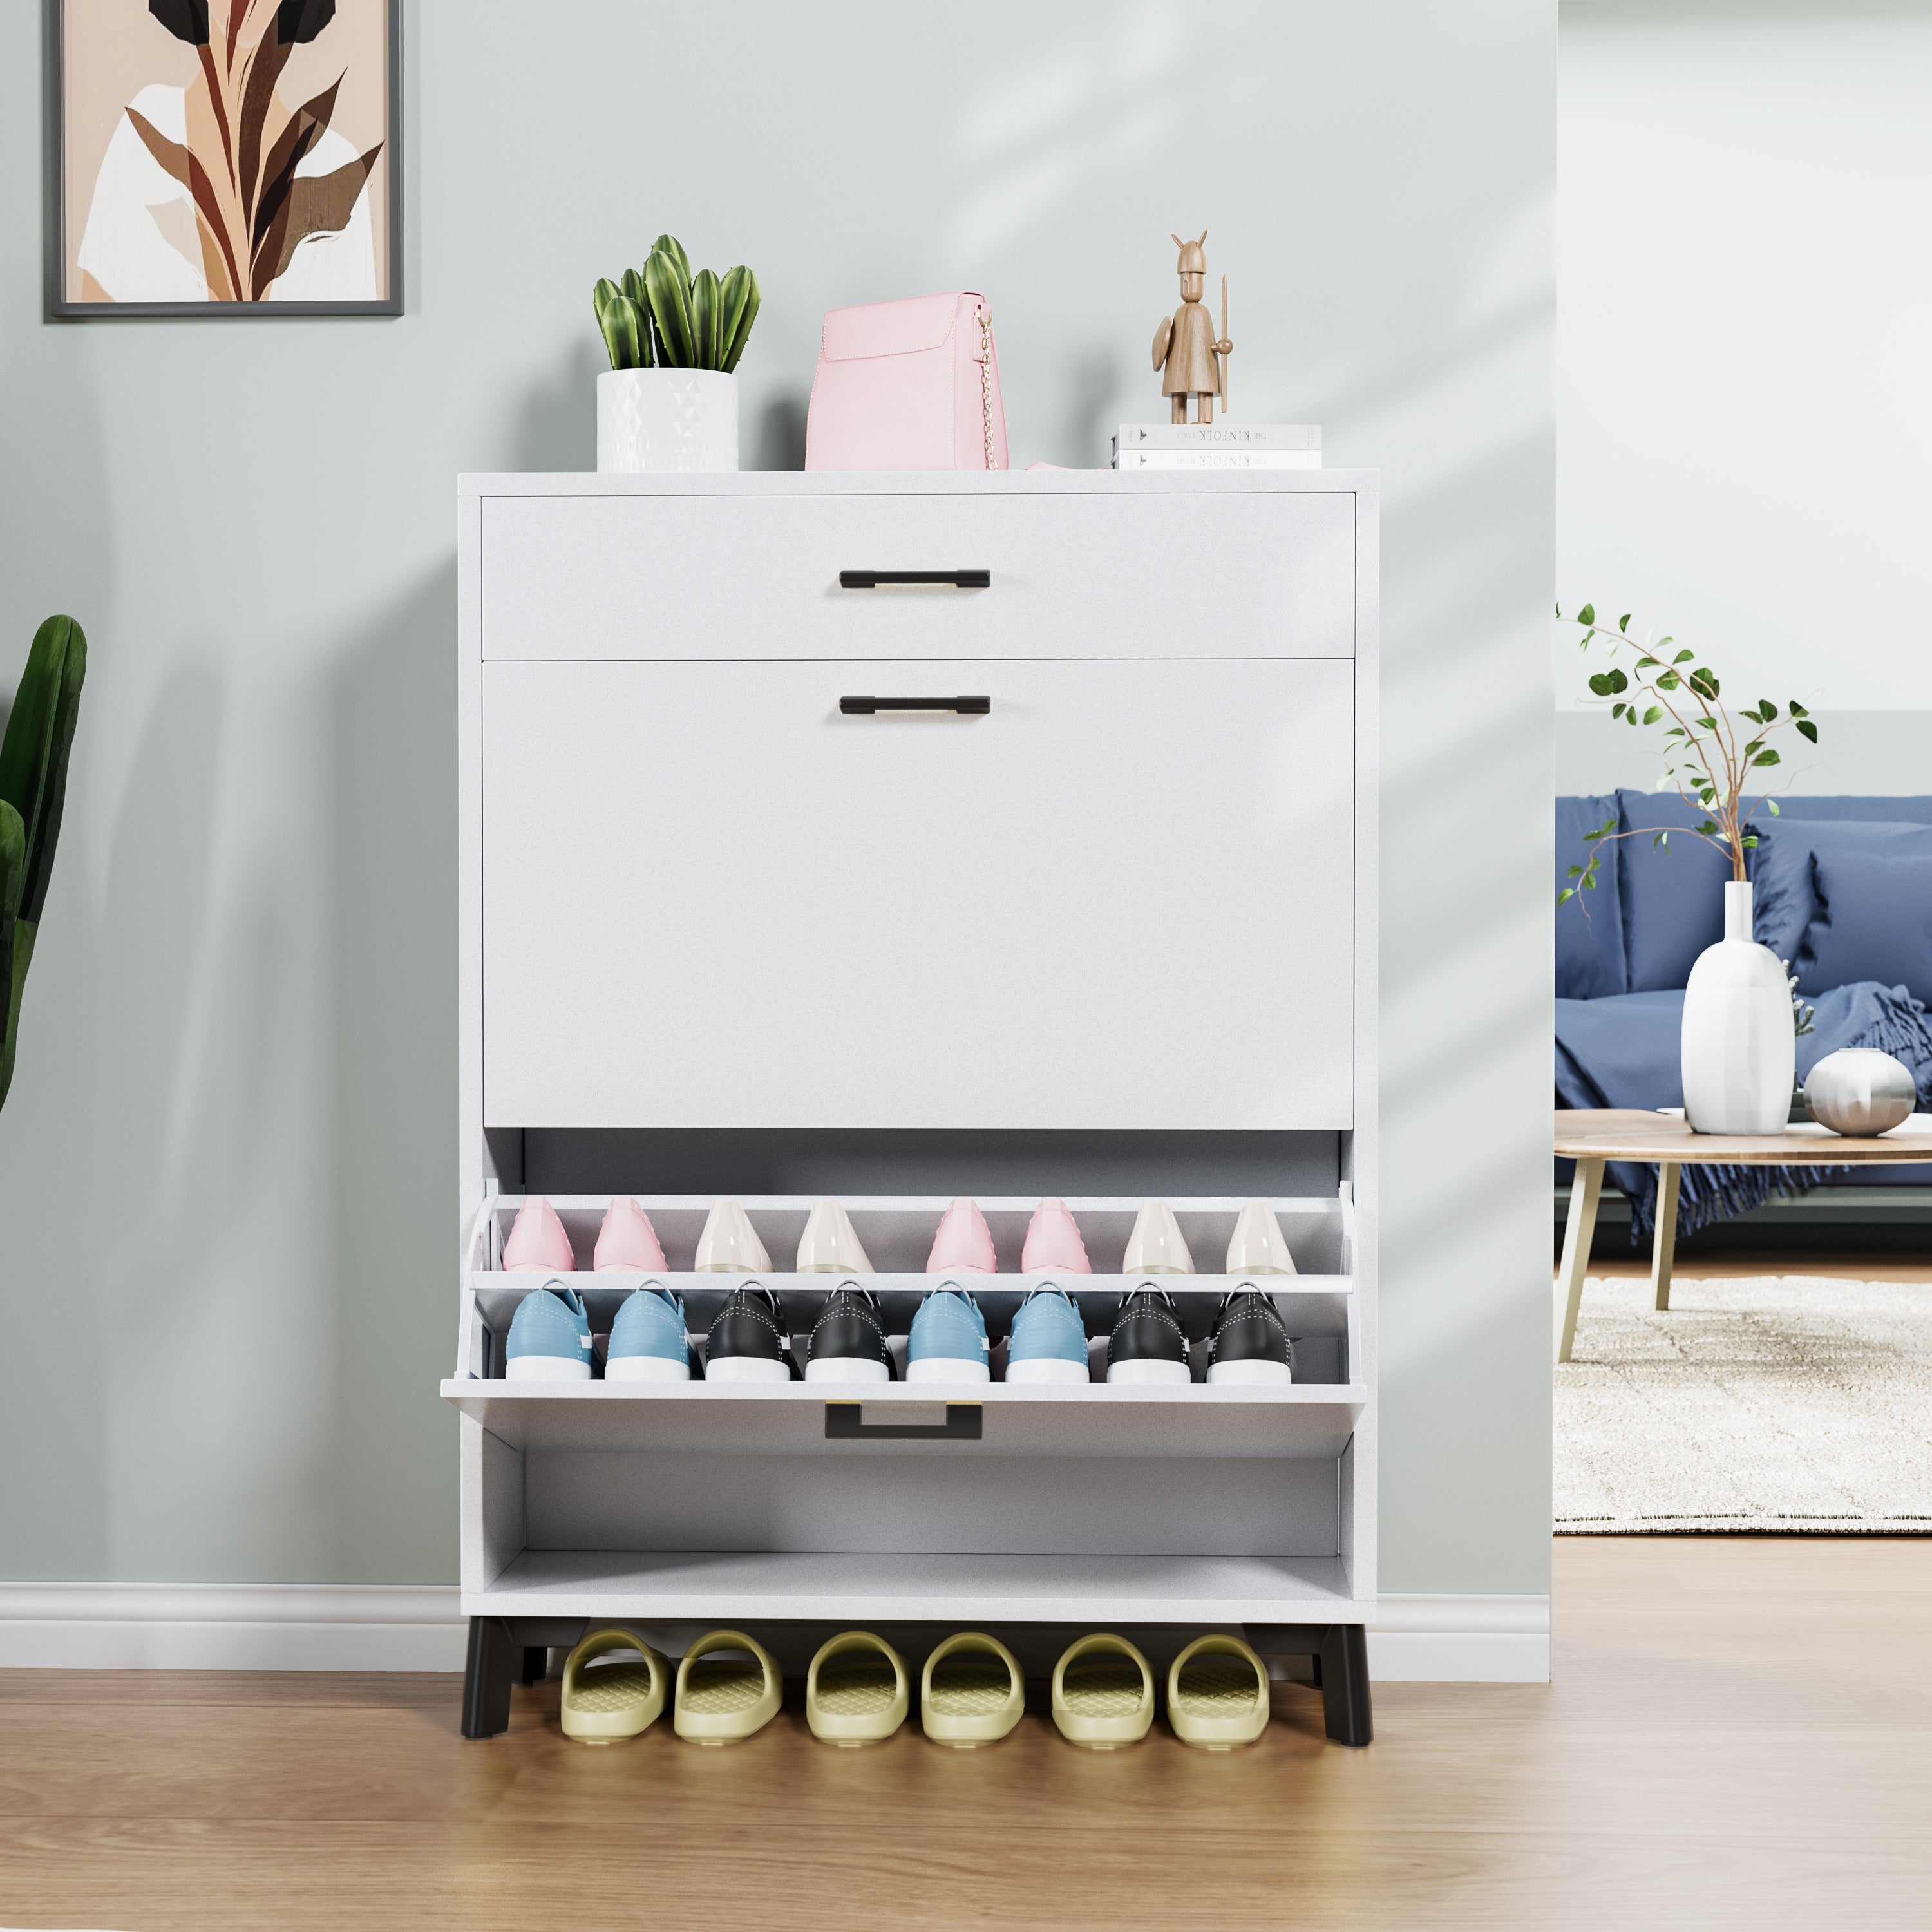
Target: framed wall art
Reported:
point(224, 157)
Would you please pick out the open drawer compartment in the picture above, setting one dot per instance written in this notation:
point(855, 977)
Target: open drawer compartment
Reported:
point(1317, 1303)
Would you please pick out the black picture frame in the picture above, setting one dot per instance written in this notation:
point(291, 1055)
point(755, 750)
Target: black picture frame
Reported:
point(58, 308)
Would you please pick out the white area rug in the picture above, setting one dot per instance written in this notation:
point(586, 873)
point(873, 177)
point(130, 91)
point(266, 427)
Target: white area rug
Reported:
point(1780, 1404)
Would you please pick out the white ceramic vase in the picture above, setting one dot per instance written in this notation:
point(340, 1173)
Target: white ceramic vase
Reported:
point(1740, 1041)
point(666, 420)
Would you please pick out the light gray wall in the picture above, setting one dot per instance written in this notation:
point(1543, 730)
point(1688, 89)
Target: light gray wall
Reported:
point(226, 1169)
point(1743, 395)
point(1880, 753)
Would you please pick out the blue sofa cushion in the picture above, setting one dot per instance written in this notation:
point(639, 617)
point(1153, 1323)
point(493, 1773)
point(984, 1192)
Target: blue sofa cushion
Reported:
point(1590, 963)
point(1873, 921)
point(1669, 905)
point(1673, 900)
point(1786, 899)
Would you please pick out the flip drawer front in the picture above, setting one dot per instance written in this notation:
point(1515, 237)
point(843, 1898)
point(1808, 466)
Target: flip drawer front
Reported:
point(1111, 575)
point(1119, 897)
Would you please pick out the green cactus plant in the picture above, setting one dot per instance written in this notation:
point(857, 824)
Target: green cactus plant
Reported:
point(33, 791)
point(665, 317)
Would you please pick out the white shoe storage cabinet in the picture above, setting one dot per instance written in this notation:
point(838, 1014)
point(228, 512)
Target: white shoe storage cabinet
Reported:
point(896, 838)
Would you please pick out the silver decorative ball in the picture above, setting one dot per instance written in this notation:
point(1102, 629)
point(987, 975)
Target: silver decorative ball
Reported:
point(1859, 1091)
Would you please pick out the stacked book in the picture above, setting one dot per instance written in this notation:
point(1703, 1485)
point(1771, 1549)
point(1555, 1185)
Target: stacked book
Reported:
point(1218, 445)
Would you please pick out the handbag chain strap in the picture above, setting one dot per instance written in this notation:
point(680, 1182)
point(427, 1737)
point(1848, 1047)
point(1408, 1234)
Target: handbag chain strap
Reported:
point(986, 379)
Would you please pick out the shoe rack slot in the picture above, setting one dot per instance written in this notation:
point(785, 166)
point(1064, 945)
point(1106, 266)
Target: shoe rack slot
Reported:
point(1314, 1309)
point(865, 1500)
point(897, 1230)
point(1304, 1297)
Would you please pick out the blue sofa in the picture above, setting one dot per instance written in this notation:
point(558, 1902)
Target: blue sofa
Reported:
point(1843, 893)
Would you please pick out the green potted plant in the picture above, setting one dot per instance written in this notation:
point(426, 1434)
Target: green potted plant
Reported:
point(669, 400)
point(1739, 1028)
point(33, 789)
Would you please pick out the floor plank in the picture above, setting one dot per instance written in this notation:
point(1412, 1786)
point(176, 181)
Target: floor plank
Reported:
point(1740, 1734)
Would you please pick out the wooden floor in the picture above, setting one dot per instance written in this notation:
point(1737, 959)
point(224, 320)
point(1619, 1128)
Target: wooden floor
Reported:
point(1740, 1734)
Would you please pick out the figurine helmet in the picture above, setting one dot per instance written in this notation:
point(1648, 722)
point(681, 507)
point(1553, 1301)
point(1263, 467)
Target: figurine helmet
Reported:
point(1192, 261)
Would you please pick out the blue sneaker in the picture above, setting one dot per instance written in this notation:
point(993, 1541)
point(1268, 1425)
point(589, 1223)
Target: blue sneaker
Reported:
point(948, 1342)
point(1048, 1341)
point(550, 1336)
point(647, 1339)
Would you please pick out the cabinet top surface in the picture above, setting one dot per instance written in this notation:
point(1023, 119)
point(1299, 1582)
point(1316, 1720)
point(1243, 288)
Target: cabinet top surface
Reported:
point(920, 483)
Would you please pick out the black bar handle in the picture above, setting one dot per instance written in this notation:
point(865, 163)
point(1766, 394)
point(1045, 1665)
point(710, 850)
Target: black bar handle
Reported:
point(960, 580)
point(844, 1422)
point(864, 707)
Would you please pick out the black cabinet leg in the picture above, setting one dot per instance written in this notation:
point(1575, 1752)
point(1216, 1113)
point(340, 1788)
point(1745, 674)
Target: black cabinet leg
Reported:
point(532, 1664)
point(493, 1655)
point(1343, 1668)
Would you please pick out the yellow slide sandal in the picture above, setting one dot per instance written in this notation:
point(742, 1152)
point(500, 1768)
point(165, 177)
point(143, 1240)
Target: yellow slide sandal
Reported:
point(723, 1698)
point(1217, 1694)
point(971, 1691)
point(610, 1701)
point(1102, 1693)
point(855, 1692)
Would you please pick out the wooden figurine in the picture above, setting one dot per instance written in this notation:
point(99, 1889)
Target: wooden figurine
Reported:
point(1185, 344)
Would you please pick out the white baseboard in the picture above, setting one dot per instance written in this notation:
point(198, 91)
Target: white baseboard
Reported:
point(1459, 1639)
point(231, 1626)
point(1438, 1639)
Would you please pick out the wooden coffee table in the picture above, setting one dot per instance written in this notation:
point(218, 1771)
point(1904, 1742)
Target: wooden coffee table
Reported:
point(1592, 1135)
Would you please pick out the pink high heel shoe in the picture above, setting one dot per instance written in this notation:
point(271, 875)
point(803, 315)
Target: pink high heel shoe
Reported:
point(537, 1240)
point(627, 1239)
point(1053, 1242)
point(963, 1244)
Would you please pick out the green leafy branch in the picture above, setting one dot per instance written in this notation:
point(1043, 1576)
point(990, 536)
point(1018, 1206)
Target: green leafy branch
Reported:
point(1710, 751)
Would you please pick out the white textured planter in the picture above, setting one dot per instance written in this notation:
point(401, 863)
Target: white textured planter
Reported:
point(1740, 1041)
point(667, 419)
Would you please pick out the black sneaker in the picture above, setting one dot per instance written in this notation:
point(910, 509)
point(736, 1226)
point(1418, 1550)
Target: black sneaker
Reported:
point(848, 1340)
point(1250, 1347)
point(1147, 1344)
point(747, 1342)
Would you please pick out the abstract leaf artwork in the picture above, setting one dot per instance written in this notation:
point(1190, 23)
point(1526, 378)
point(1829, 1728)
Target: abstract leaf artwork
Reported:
point(232, 156)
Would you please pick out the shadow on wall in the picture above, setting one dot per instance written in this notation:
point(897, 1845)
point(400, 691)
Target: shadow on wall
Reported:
point(393, 780)
point(175, 1019)
point(1091, 410)
point(130, 1191)
point(556, 428)
point(781, 439)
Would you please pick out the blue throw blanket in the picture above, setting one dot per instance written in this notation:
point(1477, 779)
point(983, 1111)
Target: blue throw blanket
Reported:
point(1623, 1052)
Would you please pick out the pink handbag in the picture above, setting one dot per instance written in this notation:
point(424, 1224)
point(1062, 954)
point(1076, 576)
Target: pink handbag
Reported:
point(909, 385)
